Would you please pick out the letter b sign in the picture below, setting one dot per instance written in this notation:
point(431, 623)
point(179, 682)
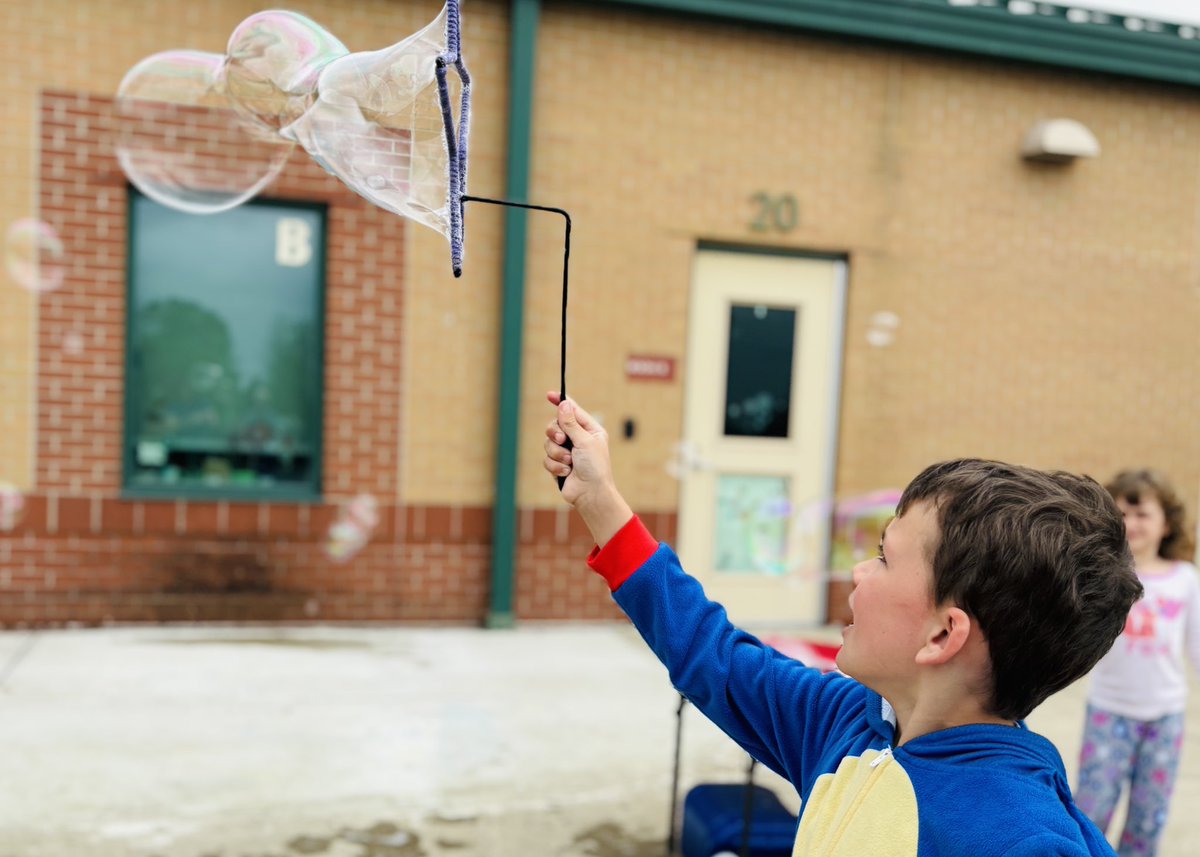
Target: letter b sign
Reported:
point(293, 242)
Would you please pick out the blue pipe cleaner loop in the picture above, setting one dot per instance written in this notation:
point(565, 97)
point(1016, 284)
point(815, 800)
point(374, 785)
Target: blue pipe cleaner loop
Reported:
point(456, 142)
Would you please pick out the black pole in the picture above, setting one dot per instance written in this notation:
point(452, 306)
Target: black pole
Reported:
point(675, 776)
point(748, 810)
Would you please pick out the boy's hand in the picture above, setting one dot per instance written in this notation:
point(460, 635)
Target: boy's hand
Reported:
point(589, 486)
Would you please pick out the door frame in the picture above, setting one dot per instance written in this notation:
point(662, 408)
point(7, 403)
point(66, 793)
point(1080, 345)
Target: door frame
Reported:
point(837, 342)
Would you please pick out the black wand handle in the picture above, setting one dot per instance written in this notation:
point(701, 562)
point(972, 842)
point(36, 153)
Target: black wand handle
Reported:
point(567, 445)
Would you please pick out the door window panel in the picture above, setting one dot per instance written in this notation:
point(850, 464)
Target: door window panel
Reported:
point(758, 383)
point(752, 523)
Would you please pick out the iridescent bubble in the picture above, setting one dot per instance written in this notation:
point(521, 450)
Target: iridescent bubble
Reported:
point(353, 528)
point(881, 330)
point(879, 337)
point(377, 125)
point(12, 506)
point(800, 552)
point(272, 63)
point(182, 143)
point(73, 343)
point(858, 523)
point(34, 255)
point(685, 459)
point(847, 532)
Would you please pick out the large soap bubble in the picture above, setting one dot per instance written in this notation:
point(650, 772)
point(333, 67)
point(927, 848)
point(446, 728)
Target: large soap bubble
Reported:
point(34, 256)
point(376, 124)
point(272, 63)
point(12, 506)
point(356, 522)
point(182, 143)
point(202, 132)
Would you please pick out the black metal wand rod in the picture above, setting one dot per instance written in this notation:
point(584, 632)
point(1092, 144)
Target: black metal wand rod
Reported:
point(562, 382)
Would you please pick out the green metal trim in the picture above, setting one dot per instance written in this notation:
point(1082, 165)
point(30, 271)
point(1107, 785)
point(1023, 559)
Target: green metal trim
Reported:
point(310, 493)
point(1156, 51)
point(128, 409)
point(522, 53)
point(318, 416)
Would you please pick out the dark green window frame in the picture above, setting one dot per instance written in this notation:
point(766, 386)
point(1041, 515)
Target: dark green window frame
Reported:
point(237, 486)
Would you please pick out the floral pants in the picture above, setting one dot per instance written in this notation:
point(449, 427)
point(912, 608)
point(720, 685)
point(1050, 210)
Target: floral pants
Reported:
point(1144, 753)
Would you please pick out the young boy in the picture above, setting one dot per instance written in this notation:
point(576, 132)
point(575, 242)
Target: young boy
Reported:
point(995, 586)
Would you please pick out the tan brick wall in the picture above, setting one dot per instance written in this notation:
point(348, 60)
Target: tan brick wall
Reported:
point(1049, 314)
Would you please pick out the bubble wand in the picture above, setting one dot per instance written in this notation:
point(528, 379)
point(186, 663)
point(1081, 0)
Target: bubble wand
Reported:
point(456, 156)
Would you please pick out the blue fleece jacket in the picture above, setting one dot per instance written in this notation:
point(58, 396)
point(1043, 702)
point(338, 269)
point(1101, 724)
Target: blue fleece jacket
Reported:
point(982, 790)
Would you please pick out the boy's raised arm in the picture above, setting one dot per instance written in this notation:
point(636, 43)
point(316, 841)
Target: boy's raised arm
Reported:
point(748, 689)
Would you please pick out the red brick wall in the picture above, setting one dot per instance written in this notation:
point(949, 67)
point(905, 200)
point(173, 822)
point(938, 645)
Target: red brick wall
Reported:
point(95, 560)
point(83, 554)
point(553, 581)
point(103, 559)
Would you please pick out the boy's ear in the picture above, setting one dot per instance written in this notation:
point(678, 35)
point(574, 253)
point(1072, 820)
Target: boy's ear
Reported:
point(947, 636)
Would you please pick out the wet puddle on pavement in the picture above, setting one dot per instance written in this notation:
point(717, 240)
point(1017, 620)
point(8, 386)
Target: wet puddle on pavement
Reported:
point(384, 839)
point(612, 840)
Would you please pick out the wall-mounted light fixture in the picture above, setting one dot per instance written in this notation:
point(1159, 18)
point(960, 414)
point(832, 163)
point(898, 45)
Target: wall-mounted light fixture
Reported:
point(1059, 141)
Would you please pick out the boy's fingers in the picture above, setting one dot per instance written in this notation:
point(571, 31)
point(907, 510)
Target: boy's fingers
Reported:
point(556, 452)
point(583, 417)
point(555, 432)
point(570, 424)
point(570, 411)
point(553, 397)
point(556, 468)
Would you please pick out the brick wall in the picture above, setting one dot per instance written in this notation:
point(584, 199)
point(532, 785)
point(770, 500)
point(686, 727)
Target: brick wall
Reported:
point(1043, 308)
point(84, 554)
point(98, 559)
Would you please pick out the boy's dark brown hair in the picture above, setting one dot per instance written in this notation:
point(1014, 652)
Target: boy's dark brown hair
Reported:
point(1135, 486)
point(1039, 560)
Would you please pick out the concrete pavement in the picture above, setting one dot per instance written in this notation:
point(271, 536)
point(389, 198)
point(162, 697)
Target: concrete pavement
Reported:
point(216, 741)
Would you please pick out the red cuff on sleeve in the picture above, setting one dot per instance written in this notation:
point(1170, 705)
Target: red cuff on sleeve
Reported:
point(624, 554)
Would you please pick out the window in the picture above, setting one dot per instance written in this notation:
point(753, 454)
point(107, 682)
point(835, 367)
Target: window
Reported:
point(758, 382)
point(224, 351)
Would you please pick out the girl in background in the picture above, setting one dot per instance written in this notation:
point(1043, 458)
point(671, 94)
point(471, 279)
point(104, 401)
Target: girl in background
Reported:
point(1135, 713)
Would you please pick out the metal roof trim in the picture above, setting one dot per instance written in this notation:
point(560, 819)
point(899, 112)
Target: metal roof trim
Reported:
point(1050, 34)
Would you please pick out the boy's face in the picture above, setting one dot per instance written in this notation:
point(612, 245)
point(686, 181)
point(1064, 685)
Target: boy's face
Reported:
point(892, 605)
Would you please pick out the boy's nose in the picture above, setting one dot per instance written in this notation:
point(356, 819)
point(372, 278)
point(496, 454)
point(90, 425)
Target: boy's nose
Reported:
point(859, 571)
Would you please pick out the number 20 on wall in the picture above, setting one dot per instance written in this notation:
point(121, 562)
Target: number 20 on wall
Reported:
point(774, 212)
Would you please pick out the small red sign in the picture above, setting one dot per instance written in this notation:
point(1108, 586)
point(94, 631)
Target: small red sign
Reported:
point(645, 367)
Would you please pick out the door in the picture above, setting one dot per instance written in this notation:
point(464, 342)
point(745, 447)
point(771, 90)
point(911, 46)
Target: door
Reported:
point(760, 426)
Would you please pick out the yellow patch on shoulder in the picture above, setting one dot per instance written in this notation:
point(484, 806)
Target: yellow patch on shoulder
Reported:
point(866, 806)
